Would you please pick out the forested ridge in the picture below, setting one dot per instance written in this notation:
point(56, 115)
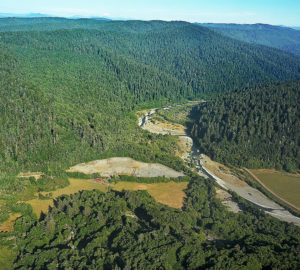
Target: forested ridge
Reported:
point(280, 37)
point(58, 117)
point(255, 127)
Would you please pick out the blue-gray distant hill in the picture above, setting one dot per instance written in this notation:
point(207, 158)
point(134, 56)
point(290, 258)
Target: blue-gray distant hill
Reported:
point(280, 37)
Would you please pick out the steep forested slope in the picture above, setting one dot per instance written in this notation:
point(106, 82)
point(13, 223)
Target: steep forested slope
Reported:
point(82, 84)
point(279, 37)
point(204, 60)
point(256, 127)
point(65, 109)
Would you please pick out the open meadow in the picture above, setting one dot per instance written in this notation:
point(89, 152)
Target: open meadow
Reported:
point(285, 185)
point(171, 193)
point(75, 186)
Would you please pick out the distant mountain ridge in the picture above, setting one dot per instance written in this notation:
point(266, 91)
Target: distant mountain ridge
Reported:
point(25, 15)
point(280, 37)
point(42, 15)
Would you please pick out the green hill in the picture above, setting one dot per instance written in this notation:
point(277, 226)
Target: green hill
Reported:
point(82, 85)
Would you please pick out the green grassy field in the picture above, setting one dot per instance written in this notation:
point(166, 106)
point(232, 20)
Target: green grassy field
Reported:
point(283, 184)
point(6, 258)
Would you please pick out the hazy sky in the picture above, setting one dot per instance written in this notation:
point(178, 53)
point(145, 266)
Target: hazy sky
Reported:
point(280, 12)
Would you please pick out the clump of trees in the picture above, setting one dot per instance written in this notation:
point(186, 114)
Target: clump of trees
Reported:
point(129, 230)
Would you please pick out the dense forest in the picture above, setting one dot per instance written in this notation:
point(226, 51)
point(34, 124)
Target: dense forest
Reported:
point(69, 95)
point(254, 127)
point(280, 37)
point(129, 230)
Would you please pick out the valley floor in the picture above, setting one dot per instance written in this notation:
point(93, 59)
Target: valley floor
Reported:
point(218, 172)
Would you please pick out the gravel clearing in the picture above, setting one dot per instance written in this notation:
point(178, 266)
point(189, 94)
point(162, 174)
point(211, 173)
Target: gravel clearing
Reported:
point(125, 166)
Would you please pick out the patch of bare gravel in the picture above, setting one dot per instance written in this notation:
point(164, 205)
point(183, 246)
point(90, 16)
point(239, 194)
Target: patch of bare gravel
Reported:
point(125, 166)
point(226, 200)
point(248, 193)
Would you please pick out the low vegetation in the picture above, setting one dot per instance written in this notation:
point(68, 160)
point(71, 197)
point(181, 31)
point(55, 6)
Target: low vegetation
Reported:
point(170, 193)
point(285, 185)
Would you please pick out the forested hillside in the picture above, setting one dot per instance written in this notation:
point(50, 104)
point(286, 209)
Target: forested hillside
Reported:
point(68, 95)
point(129, 230)
point(68, 111)
point(280, 37)
point(185, 51)
point(254, 127)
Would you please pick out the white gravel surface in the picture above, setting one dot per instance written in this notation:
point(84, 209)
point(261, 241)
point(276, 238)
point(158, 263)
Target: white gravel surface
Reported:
point(125, 166)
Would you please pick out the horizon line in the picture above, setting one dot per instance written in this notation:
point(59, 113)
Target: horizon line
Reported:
point(91, 17)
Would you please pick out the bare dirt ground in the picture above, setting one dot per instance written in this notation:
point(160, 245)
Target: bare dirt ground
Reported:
point(164, 128)
point(125, 166)
point(226, 200)
point(185, 145)
point(222, 172)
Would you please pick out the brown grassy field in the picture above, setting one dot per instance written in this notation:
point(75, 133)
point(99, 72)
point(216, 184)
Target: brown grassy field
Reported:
point(8, 225)
point(75, 186)
point(285, 185)
point(171, 194)
point(167, 193)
